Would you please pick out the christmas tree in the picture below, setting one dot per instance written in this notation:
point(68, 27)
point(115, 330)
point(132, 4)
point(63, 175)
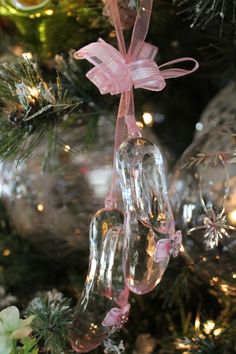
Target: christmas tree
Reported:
point(56, 150)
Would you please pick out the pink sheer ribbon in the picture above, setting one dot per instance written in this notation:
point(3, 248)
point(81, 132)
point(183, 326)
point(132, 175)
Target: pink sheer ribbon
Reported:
point(118, 71)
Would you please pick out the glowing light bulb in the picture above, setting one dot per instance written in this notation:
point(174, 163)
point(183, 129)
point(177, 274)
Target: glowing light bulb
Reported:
point(217, 331)
point(67, 148)
point(49, 12)
point(232, 216)
point(34, 92)
point(27, 56)
point(6, 252)
point(209, 326)
point(40, 207)
point(148, 118)
point(197, 323)
point(139, 125)
point(199, 126)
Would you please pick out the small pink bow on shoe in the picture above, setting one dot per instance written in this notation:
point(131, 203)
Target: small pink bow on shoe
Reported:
point(116, 317)
point(168, 247)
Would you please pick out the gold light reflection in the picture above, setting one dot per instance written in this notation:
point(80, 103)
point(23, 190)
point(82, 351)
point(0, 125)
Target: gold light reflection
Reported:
point(104, 228)
point(49, 12)
point(183, 345)
point(27, 55)
point(148, 119)
point(40, 207)
point(197, 323)
point(228, 290)
point(67, 148)
point(232, 216)
point(139, 125)
point(209, 326)
point(6, 252)
point(217, 331)
point(93, 327)
point(151, 246)
point(17, 50)
point(161, 217)
point(33, 94)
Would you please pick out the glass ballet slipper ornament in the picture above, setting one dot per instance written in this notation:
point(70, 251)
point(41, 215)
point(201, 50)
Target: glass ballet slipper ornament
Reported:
point(149, 228)
point(103, 306)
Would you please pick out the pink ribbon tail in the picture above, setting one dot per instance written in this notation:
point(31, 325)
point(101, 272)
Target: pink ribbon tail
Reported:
point(178, 72)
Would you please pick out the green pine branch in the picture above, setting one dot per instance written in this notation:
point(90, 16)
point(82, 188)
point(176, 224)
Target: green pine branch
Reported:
point(53, 316)
point(30, 108)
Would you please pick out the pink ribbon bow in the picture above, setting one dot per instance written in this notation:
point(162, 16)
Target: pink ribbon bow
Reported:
point(116, 74)
point(116, 317)
point(168, 247)
point(117, 71)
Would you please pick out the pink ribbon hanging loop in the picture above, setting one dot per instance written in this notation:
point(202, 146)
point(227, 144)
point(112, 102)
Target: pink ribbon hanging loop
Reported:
point(118, 72)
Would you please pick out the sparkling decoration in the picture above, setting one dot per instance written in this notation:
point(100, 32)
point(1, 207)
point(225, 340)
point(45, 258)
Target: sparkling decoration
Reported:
point(203, 193)
point(148, 216)
point(215, 228)
point(28, 4)
point(221, 109)
point(103, 306)
point(54, 206)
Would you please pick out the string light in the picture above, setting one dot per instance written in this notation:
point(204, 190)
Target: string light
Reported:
point(67, 148)
point(33, 94)
point(232, 216)
point(217, 331)
point(27, 56)
point(183, 345)
point(40, 207)
point(148, 119)
point(6, 252)
point(139, 125)
point(17, 50)
point(209, 326)
point(49, 12)
point(197, 323)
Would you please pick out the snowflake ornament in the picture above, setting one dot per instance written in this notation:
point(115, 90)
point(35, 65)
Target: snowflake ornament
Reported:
point(215, 228)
